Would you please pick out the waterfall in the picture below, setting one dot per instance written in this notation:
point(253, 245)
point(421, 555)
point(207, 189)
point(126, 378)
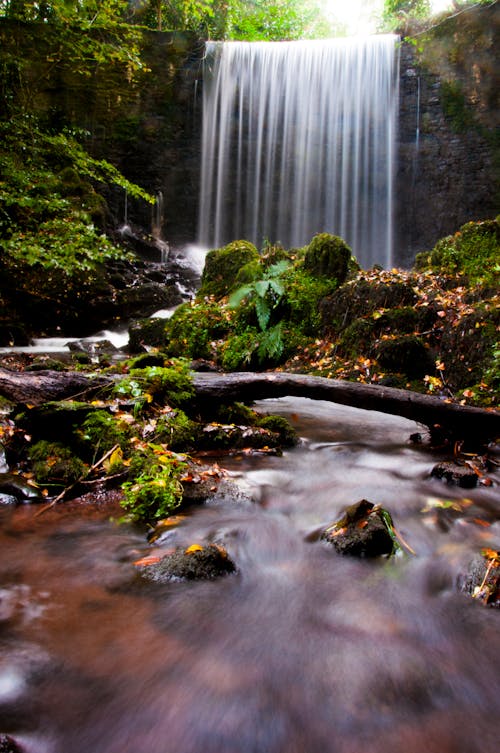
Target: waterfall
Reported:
point(299, 138)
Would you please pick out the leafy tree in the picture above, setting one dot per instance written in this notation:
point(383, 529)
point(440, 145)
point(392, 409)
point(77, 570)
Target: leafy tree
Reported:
point(397, 13)
point(255, 20)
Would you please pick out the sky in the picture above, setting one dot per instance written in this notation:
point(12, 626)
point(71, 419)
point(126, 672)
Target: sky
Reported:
point(359, 15)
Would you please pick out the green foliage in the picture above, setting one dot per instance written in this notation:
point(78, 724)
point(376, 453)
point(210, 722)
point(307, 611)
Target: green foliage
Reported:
point(252, 348)
point(276, 20)
point(157, 384)
point(193, 328)
point(178, 432)
point(397, 13)
point(474, 251)
point(55, 465)
point(222, 266)
point(155, 489)
point(266, 293)
point(102, 430)
point(302, 297)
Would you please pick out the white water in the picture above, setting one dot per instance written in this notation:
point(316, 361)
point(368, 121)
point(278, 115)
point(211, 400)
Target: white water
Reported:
point(298, 138)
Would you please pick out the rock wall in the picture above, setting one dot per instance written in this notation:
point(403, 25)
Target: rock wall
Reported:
point(448, 156)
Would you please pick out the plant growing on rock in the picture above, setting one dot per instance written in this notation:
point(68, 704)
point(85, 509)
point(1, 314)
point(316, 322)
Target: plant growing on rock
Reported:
point(155, 487)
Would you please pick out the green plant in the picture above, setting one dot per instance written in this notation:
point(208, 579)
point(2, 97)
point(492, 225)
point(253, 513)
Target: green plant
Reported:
point(266, 293)
point(102, 430)
point(194, 327)
point(157, 384)
point(155, 488)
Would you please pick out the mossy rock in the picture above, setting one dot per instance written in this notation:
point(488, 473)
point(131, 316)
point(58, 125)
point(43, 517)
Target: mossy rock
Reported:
point(359, 298)
point(146, 332)
point(55, 420)
point(473, 252)
point(328, 256)
point(468, 348)
point(405, 355)
point(222, 266)
point(55, 465)
point(357, 338)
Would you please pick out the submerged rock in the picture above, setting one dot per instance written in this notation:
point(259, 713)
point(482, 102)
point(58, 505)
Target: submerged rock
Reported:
point(197, 562)
point(456, 473)
point(363, 531)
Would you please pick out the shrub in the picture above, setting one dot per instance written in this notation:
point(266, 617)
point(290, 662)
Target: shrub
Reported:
point(155, 488)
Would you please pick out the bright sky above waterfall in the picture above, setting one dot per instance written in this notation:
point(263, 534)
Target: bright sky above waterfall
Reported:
point(360, 16)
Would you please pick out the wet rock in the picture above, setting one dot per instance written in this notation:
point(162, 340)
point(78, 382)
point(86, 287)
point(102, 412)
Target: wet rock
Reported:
point(17, 487)
point(7, 499)
point(456, 473)
point(9, 745)
point(146, 332)
point(406, 354)
point(363, 531)
point(482, 578)
point(196, 562)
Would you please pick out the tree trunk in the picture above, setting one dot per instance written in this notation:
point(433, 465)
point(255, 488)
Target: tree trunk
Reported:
point(462, 421)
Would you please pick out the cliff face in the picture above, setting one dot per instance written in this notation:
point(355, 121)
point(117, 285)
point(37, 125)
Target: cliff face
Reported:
point(448, 160)
point(448, 152)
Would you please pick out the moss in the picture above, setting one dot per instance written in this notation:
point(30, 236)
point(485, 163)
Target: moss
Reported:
point(55, 465)
point(101, 431)
point(279, 425)
point(357, 338)
point(328, 256)
point(222, 266)
point(456, 107)
point(240, 352)
point(177, 432)
point(473, 251)
point(193, 328)
point(302, 297)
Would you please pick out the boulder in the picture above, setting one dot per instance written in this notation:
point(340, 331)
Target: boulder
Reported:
point(363, 531)
point(196, 562)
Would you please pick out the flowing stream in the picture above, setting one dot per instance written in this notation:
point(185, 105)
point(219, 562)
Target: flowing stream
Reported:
point(299, 138)
point(301, 651)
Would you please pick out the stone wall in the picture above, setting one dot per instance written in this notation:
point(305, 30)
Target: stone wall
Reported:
point(448, 156)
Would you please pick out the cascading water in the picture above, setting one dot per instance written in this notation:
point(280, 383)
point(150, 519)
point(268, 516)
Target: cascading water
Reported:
point(298, 138)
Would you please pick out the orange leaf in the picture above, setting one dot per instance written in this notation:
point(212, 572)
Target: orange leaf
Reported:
point(193, 548)
point(150, 559)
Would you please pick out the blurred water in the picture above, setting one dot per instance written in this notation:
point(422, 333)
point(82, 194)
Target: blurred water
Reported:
point(302, 651)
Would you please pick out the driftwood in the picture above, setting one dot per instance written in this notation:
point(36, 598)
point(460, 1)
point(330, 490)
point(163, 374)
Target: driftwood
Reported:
point(461, 421)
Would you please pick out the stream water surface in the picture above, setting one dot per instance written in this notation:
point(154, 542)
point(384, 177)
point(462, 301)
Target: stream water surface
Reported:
point(301, 651)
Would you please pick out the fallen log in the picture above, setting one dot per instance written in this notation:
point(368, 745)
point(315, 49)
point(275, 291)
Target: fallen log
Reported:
point(462, 421)
point(37, 387)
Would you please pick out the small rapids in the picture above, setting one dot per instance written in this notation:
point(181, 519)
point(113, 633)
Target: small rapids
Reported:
point(301, 651)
